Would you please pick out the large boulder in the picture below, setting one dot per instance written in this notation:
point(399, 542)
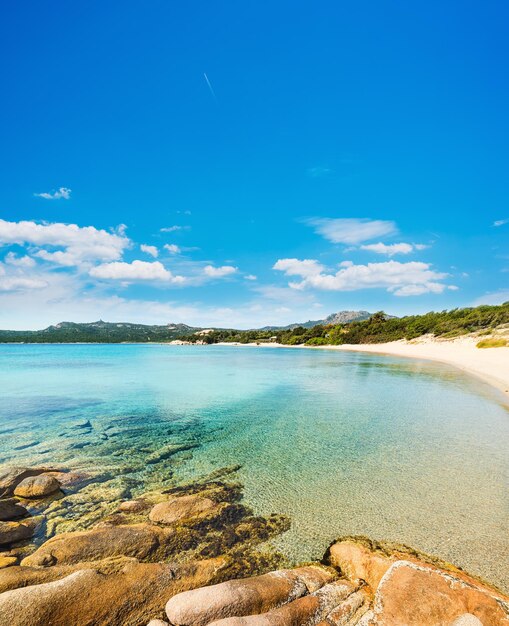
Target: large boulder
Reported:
point(12, 532)
point(420, 595)
point(37, 486)
point(182, 508)
point(11, 509)
point(309, 609)
point(11, 476)
point(244, 597)
point(142, 541)
point(129, 597)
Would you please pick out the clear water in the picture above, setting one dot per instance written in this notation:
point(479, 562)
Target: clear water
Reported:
point(344, 443)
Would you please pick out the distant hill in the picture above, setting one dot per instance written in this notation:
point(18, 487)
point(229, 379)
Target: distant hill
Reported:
point(98, 332)
point(341, 317)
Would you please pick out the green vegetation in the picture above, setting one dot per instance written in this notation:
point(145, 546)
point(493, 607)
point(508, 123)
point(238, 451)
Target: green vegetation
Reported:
point(97, 332)
point(492, 343)
point(379, 328)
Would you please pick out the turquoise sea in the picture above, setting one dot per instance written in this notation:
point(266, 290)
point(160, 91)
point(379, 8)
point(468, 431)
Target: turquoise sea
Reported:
point(344, 443)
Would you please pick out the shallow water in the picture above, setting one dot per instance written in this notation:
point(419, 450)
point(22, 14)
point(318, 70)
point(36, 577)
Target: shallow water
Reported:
point(344, 443)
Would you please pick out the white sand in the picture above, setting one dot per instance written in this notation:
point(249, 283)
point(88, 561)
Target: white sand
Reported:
point(490, 364)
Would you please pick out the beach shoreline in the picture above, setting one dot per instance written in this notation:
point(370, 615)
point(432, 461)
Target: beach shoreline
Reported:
point(488, 364)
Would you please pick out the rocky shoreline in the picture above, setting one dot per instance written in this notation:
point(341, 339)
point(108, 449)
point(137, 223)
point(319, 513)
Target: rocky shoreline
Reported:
point(194, 555)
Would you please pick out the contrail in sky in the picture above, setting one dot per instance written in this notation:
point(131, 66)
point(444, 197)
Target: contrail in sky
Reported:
point(210, 86)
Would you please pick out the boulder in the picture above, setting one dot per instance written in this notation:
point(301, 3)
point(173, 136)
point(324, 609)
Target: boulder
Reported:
point(128, 597)
point(7, 561)
point(244, 597)
point(11, 509)
point(359, 562)
point(132, 506)
point(157, 622)
point(12, 532)
point(37, 486)
point(309, 609)
point(420, 595)
point(182, 508)
point(142, 541)
point(350, 609)
point(11, 476)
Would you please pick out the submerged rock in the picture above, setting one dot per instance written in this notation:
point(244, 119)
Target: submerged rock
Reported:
point(37, 486)
point(11, 509)
point(168, 451)
point(133, 506)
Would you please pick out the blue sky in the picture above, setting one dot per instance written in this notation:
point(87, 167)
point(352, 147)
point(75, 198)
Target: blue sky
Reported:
point(342, 156)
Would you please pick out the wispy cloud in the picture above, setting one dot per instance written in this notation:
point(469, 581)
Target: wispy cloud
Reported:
point(351, 230)
point(14, 279)
point(210, 86)
point(173, 229)
point(401, 279)
point(318, 172)
point(393, 248)
point(250, 277)
point(152, 250)
point(63, 193)
point(497, 223)
point(172, 248)
point(219, 272)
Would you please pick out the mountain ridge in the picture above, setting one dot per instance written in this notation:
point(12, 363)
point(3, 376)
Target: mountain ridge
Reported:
point(341, 317)
point(124, 332)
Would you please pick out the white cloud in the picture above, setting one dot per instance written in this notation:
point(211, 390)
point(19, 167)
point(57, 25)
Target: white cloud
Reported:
point(61, 193)
point(500, 222)
point(401, 279)
point(20, 283)
point(172, 248)
point(79, 243)
point(393, 248)
point(351, 230)
point(295, 267)
point(19, 261)
point(251, 277)
point(219, 272)
point(152, 250)
point(135, 271)
point(14, 279)
point(173, 229)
